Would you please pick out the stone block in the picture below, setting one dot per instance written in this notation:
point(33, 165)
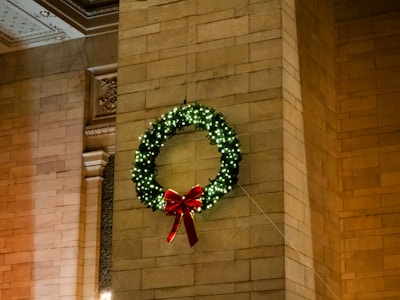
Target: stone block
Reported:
point(235, 208)
point(364, 285)
point(264, 235)
point(359, 123)
point(266, 79)
point(24, 138)
point(219, 272)
point(130, 130)
point(51, 150)
point(357, 84)
point(47, 272)
point(19, 257)
point(166, 67)
point(135, 73)
point(47, 290)
point(167, 11)
point(362, 243)
point(16, 292)
point(390, 179)
point(390, 199)
point(133, 46)
point(267, 268)
point(140, 31)
point(224, 86)
point(222, 29)
point(168, 277)
point(132, 19)
point(361, 142)
point(364, 264)
point(367, 201)
point(361, 162)
point(23, 171)
point(267, 20)
point(209, 6)
point(391, 220)
point(359, 64)
point(167, 39)
point(165, 96)
point(261, 171)
point(362, 222)
point(228, 56)
point(265, 50)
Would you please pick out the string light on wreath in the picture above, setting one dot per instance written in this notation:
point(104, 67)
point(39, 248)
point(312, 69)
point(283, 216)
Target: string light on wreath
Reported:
point(220, 134)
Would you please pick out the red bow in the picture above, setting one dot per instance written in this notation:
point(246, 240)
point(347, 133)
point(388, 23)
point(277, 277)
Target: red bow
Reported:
point(181, 206)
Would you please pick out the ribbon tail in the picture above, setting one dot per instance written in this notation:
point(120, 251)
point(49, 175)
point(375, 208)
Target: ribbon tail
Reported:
point(190, 229)
point(175, 228)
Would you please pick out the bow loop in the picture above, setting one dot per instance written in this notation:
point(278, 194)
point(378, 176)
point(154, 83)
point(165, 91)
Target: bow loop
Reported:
point(181, 207)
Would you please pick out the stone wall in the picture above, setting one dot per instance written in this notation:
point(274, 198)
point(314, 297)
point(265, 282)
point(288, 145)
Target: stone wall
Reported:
point(240, 57)
point(42, 192)
point(311, 88)
point(310, 145)
point(368, 65)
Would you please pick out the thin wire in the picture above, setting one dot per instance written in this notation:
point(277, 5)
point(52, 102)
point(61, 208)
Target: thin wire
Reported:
point(270, 221)
point(186, 49)
point(289, 242)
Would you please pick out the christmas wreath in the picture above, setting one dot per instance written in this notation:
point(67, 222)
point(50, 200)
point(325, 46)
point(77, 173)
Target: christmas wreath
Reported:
point(152, 194)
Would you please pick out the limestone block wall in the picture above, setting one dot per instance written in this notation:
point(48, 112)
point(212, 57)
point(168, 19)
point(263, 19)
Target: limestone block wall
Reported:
point(310, 152)
point(42, 198)
point(241, 57)
point(368, 65)
point(226, 55)
point(41, 180)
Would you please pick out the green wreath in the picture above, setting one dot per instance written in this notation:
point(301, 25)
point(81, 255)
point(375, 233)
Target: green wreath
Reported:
point(149, 191)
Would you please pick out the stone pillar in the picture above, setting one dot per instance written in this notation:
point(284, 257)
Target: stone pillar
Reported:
point(240, 57)
point(94, 163)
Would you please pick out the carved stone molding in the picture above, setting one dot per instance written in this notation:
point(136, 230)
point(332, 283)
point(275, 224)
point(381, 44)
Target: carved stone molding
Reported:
point(99, 130)
point(94, 162)
point(107, 97)
point(107, 201)
point(102, 94)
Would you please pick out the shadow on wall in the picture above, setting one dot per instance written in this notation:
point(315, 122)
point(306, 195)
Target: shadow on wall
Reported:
point(19, 138)
point(315, 33)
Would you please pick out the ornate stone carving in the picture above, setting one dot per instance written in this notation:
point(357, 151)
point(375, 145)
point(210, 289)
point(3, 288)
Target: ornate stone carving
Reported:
point(106, 227)
point(97, 131)
point(102, 108)
point(107, 100)
point(103, 94)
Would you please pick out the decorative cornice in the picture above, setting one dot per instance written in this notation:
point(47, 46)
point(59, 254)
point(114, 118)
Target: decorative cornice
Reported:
point(94, 162)
point(25, 22)
point(98, 131)
point(93, 12)
point(89, 18)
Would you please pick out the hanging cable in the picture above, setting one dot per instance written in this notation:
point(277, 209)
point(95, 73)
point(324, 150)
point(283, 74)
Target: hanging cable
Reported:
point(289, 243)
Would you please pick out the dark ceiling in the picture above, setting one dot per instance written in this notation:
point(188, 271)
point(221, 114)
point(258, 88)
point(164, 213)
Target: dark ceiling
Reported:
point(88, 16)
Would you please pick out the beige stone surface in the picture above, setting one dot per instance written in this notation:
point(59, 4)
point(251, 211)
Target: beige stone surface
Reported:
point(41, 144)
point(369, 169)
point(312, 89)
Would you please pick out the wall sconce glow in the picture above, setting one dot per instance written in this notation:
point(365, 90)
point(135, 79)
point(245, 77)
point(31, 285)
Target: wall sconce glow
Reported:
point(105, 296)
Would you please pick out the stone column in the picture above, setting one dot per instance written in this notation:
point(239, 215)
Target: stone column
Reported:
point(94, 163)
point(242, 58)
